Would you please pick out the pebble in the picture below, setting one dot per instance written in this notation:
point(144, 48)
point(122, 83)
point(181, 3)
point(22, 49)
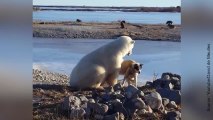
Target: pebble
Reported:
point(117, 87)
point(116, 116)
point(173, 115)
point(77, 113)
point(139, 103)
point(71, 101)
point(98, 108)
point(83, 98)
point(165, 101)
point(172, 104)
point(172, 95)
point(131, 91)
point(154, 100)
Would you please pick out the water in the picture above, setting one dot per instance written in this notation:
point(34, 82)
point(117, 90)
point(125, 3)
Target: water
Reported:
point(108, 16)
point(61, 55)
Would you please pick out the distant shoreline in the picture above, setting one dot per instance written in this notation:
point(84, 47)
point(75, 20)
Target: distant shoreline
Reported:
point(159, 32)
point(96, 8)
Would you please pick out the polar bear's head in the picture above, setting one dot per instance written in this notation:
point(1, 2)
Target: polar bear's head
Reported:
point(126, 45)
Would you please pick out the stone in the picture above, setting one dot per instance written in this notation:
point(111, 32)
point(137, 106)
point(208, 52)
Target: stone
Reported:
point(160, 83)
point(172, 95)
point(149, 84)
point(178, 76)
point(149, 109)
point(91, 100)
point(84, 105)
point(116, 116)
point(166, 74)
point(175, 78)
point(115, 101)
point(106, 97)
point(166, 77)
point(154, 100)
point(71, 101)
point(83, 98)
point(77, 113)
point(172, 104)
point(98, 117)
point(173, 115)
point(141, 112)
point(42, 91)
point(118, 107)
point(131, 91)
point(117, 95)
point(140, 93)
point(139, 103)
point(165, 101)
point(117, 87)
point(98, 108)
point(109, 89)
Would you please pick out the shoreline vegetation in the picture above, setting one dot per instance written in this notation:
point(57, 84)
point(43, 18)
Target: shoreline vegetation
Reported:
point(92, 30)
point(96, 8)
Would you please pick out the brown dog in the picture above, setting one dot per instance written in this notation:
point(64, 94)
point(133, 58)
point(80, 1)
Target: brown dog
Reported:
point(130, 69)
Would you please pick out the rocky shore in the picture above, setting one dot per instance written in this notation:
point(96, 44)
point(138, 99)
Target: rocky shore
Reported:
point(157, 100)
point(112, 30)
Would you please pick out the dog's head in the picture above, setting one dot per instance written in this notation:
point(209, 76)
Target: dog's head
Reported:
point(137, 67)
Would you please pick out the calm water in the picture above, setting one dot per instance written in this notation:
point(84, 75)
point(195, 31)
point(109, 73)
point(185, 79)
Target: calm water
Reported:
point(108, 16)
point(61, 55)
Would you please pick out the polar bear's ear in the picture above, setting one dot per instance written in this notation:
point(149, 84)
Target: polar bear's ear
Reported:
point(132, 41)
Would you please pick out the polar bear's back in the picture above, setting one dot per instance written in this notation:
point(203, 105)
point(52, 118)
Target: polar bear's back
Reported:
point(93, 68)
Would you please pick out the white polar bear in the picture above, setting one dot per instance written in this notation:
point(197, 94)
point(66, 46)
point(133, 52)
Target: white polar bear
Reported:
point(101, 65)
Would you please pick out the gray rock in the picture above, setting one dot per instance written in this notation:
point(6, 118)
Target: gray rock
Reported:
point(166, 77)
point(160, 83)
point(71, 101)
point(77, 113)
point(165, 74)
point(149, 84)
point(115, 101)
point(84, 105)
point(98, 108)
point(117, 95)
point(116, 116)
point(172, 95)
point(175, 78)
point(139, 103)
point(83, 98)
point(98, 117)
point(91, 100)
point(172, 104)
point(165, 101)
point(154, 100)
point(118, 107)
point(140, 93)
point(131, 91)
point(178, 76)
point(141, 112)
point(117, 87)
point(109, 89)
point(149, 109)
point(144, 112)
point(174, 115)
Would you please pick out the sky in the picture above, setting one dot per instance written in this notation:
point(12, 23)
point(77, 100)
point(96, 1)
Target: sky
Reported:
point(146, 3)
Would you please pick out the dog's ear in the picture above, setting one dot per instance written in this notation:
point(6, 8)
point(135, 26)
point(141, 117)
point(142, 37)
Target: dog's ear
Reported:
point(141, 65)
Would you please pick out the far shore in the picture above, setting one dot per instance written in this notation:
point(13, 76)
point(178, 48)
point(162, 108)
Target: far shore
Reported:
point(108, 8)
point(86, 30)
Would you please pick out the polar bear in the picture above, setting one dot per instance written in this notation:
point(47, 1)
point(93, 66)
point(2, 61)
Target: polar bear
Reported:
point(101, 65)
